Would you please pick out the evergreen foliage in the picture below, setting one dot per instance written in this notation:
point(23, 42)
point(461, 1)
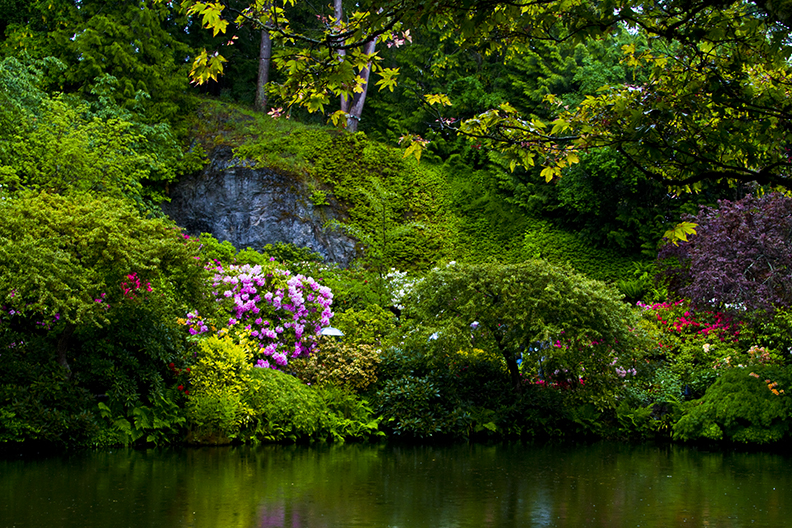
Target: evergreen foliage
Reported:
point(579, 324)
point(741, 406)
point(60, 144)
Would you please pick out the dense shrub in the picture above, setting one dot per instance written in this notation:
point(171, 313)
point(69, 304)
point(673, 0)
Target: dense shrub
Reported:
point(578, 328)
point(218, 382)
point(283, 409)
point(742, 406)
point(368, 326)
point(415, 406)
point(691, 342)
point(347, 365)
point(90, 292)
point(464, 394)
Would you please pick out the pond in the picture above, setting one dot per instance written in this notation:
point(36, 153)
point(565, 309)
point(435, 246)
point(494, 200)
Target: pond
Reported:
point(600, 485)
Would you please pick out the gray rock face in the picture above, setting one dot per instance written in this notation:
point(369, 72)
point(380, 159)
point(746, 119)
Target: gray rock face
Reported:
point(251, 207)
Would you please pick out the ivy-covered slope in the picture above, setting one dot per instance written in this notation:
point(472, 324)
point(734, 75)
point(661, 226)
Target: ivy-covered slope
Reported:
point(410, 214)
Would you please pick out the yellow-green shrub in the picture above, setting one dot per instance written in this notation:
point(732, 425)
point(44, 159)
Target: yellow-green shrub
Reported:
point(283, 409)
point(345, 365)
point(216, 408)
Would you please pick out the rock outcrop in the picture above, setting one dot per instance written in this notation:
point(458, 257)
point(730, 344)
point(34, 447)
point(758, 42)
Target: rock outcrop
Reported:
point(252, 206)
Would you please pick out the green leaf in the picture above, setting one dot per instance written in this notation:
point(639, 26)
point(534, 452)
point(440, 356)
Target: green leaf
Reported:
point(680, 232)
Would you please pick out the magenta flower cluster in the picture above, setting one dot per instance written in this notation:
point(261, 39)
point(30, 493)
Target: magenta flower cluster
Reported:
point(679, 318)
point(284, 313)
point(132, 285)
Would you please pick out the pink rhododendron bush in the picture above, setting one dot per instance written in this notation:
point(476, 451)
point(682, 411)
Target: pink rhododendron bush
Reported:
point(282, 313)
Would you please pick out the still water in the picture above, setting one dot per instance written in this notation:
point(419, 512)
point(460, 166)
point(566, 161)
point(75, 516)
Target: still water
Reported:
point(602, 485)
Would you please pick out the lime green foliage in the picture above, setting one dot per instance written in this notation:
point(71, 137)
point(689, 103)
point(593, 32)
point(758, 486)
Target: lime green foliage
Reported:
point(284, 409)
point(215, 251)
point(396, 207)
point(383, 240)
point(281, 144)
point(225, 253)
point(350, 366)
point(497, 220)
point(63, 262)
point(742, 406)
point(319, 197)
point(59, 255)
point(230, 400)
point(217, 409)
point(368, 326)
point(60, 144)
point(554, 245)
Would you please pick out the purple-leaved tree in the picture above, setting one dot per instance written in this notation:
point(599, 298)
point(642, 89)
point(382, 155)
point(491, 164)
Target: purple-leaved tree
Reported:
point(740, 256)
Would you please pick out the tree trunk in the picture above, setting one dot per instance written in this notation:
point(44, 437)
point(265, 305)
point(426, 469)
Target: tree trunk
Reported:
point(356, 108)
point(63, 347)
point(338, 14)
point(265, 55)
point(514, 372)
point(511, 362)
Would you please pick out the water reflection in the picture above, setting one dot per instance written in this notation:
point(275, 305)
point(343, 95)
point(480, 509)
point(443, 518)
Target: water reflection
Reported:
point(607, 485)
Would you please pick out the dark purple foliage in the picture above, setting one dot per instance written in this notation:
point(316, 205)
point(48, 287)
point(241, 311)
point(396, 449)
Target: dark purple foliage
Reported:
point(741, 255)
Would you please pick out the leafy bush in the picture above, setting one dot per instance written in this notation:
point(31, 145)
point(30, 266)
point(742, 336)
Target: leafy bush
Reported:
point(159, 423)
point(776, 333)
point(691, 343)
point(415, 406)
point(346, 365)
point(350, 416)
point(90, 292)
point(741, 406)
point(580, 325)
point(368, 326)
point(47, 407)
point(61, 144)
point(464, 394)
point(283, 409)
point(217, 408)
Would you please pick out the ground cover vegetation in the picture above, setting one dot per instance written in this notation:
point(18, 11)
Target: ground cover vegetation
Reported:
point(514, 172)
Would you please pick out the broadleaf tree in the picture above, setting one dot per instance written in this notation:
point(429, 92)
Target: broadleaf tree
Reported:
point(562, 327)
point(715, 105)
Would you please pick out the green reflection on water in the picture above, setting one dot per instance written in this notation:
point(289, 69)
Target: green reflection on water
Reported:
point(608, 485)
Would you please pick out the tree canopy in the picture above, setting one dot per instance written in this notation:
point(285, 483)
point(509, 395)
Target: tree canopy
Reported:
point(574, 326)
point(710, 102)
